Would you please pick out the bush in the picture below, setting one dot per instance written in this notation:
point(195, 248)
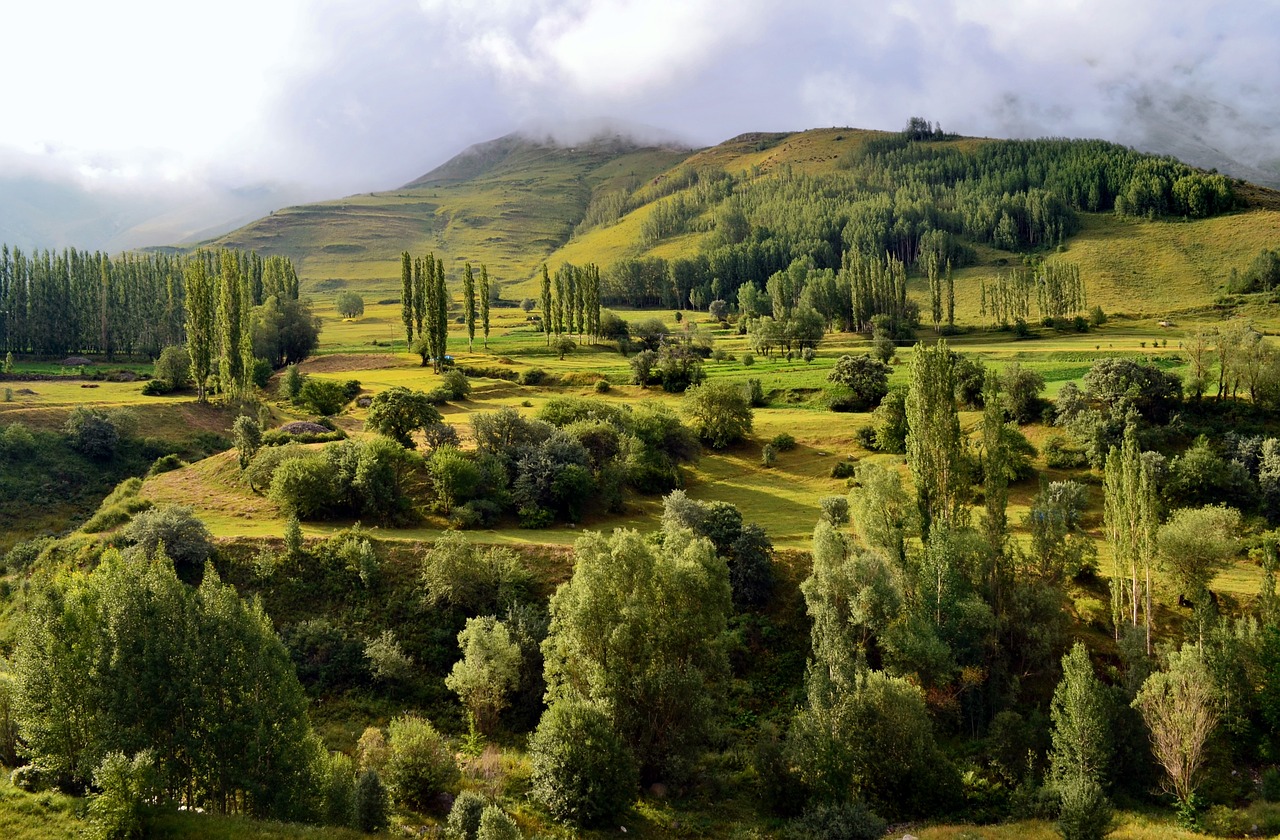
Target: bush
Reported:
point(455, 382)
point(464, 816)
point(371, 803)
point(186, 541)
point(838, 821)
point(748, 360)
point(718, 412)
point(1270, 788)
point(602, 386)
point(495, 824)
point(860, 383)
point(768, 455)
point(126, 786)
point(303, 485)
point(783, 442)
point(835, 509)
point(533, 376)
point(164, 464)
point(92, 433)
point(582, 773)
point(156, 388)
point(29, 777)
point(1085, 813)
point(323, 396)
point(844, 469)
point(1060, 454)
point(420, 765)
point(173, 367)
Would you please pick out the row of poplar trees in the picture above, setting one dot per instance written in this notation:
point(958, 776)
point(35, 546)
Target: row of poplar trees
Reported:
point(54, 303)
point(425, 302)
point(571, 305)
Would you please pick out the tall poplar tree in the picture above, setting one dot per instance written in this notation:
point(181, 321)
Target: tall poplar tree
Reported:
point(1131, 516)
point(469, 305)
point(441, 316)
point(546, 303)
point(935, 448)
point(406, 297)
point(230, 370)
point(484, 303)
point(200, 324)
point(423, 271)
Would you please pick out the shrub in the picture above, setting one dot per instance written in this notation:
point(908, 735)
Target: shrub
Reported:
point(247, 436)
point(92, 433)
point(186, 541)
point(1060, 454)
point(371, 804)
point(291, 383)
point(755, 393)
point(837, 821)
point(718, 412)
point(1085, 813)
point(323, 396)
point(768, 455)
point(860, 383)
point(164, 464)
point(304, 485)
point(126, 786)
point(420, 765)
point(173, 366)
point(464, 816)
point(844, 469)
point(336, 782)
point(156, 388)
point(783, 442)
point(533, 376)
point(455, 382)
point(495, 824)
point(748, 360)
point(602, 386)
point(835, 509)
point(582, 773)
point(29, 777)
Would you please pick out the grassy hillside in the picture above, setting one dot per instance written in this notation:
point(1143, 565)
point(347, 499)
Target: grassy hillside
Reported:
point(508, 204)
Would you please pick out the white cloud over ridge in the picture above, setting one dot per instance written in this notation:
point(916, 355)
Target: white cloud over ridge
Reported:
point(344, 95)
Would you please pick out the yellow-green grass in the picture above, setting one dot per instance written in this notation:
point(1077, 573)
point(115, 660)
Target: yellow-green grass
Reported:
point(1129, 826)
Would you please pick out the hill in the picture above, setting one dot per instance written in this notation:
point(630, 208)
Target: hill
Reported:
point(515, 202)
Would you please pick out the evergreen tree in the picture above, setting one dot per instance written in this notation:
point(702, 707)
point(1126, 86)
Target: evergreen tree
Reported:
point(1079, 716)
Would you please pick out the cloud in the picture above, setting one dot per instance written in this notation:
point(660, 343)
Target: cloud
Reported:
point(332, 96)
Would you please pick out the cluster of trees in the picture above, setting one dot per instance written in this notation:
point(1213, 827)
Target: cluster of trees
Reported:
point(902, 199)
point(76, 301)
point(1057, 288)
point(571, 304)
point(424, 308)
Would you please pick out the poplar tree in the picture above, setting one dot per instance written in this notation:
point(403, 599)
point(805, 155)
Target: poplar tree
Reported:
point(406, 297)
point(230, 370)
point(995, 485)
point(484, 303)
point(1129, 509)
point(200, 324)
point(546, 303)
point(423, 271)
point(934, 445)
point(469, 305)
point(245, 349)
point(441, 322)
point(558, 302)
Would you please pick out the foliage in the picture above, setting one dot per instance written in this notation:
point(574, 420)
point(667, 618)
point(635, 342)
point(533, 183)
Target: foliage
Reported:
point(1085, 813)
point(371, 803)
point(174, 529)
point(349, 304)
point(246, 436)
point(718, 413)
point(92, 433)
point(1195, 544)
point(478, 579)
point(641, 631)
point(420, 765)
point(174, 366)
point(837, 821)
point(488, 671)
point(934, 445)
point(495, 824)
point(210, 664)
point(323, 396)
point(862, 383)
point(583, 773)
point(387, 660)
point(398, 412)
point(126, 787)
point(1181, 712)
point(1081, 729)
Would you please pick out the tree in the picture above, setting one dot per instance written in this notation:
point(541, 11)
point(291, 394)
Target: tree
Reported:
point(398, 412)
point(174, 366)
point(1129, 509)
point(92, 433)
point(420, 765)
point(200, 324)
point(469, 304)
point(232, 376)
point(718, 412)
point(486, 296)
point(864, 382)
point(1079, 716)
point(935, 449)
point(349, 304)
point(246, 436)
point(641, 631)
point(582, 772)
point(488, 671)
point(496, 824)
point(1181, 712)
point(546, 304)
point(1195, 544)
point(407, 297)
point(185, 538)
point(1020, 389)
point(642, 365)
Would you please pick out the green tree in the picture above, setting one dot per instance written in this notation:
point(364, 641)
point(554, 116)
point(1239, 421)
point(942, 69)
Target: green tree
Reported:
point(1079, 715)
point(488, 671)
point(469, 304)
point(545, 303)
point(371, 804)
point(92, 433)
point(398, 412)
point(862, 382)
point(495, 824)
point(246, 436)
point(407, 297)
point(1195, 544)
point(582, 772)
point(935, 448)
point(454, 475)
point(1129, 509)
point(349, 304)
point(718, 412)
point(174, 366)
point(420, 765)
point(202, 340)
point(231, 371)
point(485, 299)
point(641, 631)
point(126, 787)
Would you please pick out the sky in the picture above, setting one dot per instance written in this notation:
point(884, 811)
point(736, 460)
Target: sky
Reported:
point(177, 112)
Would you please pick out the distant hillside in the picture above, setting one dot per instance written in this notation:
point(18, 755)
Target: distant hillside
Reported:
point(515, 203)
